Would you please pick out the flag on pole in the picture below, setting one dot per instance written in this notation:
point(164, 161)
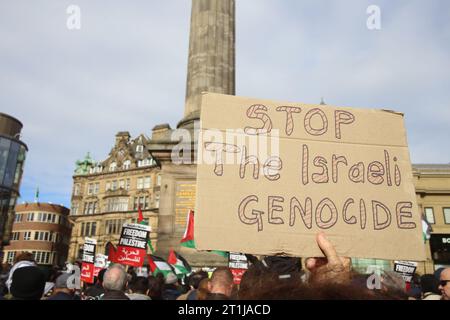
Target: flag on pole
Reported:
point(140, 215)
point(141, 220)
point(111, 252)
point(180, 265)
point(36, 195)
point(188, 237)
point(426, 229)
point(158, 265)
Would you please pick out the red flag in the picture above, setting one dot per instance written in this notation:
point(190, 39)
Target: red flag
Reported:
point(172, 259)
point(188, 238)
point(141, 216)
point(111, 253)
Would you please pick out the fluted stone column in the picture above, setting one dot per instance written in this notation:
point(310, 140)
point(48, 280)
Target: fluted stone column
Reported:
point(211, 64)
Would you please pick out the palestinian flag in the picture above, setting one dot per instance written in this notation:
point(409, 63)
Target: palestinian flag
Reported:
point(426, 229)
point(140, 215)
point(188, 238)
point(180, 265)
point(141, 220)
point(158, 265)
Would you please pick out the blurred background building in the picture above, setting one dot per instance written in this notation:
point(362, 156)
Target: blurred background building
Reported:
point(12, 159)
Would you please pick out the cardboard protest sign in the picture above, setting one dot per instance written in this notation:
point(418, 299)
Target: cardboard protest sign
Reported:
point(406, 269)
point(271, 175)
point(87, 265)
point(237, 262)
point(132, 246)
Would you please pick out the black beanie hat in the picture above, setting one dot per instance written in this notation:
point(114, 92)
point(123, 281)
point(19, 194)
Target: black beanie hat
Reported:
point(28, 283)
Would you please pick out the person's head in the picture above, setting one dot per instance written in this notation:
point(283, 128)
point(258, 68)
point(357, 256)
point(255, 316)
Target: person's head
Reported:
point(444, 284)
point(221, 281)
point(100, 276)
point(171, 279)
point(154, 287)
point(28, 283)
point(195, 278)
point(115, 278)
point(139, 285)
point(429, 283)
point(393, 281)
point(202, 290)
point(62, 284)
point(24, 256)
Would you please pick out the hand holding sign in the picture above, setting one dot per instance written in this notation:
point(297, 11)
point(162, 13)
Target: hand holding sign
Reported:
point(332, 267)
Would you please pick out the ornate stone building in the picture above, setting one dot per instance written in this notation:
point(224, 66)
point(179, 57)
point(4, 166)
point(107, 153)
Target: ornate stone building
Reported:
point(107, 194)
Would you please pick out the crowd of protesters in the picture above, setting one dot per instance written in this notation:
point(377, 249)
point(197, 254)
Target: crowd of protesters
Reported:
point(268, 278)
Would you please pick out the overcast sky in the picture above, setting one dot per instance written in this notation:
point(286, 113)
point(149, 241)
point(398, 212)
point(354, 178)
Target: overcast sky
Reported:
point(125, 70)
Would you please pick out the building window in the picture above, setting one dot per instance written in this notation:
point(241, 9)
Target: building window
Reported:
point(127, 186)
point(158, 180)
point(27, 235)
point(30, 216)
point(75, 208)
point(18, 218)
point(88, 229)
point(114, 185)
point(117, 204)
point(46, 217)
point(42, 236)
point(127, 165)
point(76, 189)
point(139, 148)
point(15, 236)
point(122, 184)
point(10, 257)
point(142, 202)
point(147, 182)
point(157, 200)
point(90, 207)
point(113, 166)
point(146, 162)
point(447, 215)
point(113, 226)
point(90, 188)
point(96, 188)
point(140, 183)
point(41, 257)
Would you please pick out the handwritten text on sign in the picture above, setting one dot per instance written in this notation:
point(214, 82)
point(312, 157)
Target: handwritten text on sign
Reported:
point(340, 169)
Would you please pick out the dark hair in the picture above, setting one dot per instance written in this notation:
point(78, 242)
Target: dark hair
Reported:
point(101, 274)
point(155, 287)
point(195, 278)
point(429, 283)
point(275, 289)
point(139, 285)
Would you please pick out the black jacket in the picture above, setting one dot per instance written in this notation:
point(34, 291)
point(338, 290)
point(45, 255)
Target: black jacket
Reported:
point(114, 295)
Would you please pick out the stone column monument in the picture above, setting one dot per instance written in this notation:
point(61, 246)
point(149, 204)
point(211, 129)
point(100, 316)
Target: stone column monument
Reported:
point(211, 67)
point(211, 62)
